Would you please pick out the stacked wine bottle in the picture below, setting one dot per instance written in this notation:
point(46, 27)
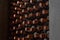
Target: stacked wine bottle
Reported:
point(28, 20)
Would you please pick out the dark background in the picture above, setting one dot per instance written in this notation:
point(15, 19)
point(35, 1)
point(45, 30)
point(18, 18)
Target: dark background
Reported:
point(3, 19)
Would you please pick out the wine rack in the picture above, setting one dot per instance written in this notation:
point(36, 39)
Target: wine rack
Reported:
point(28, 20)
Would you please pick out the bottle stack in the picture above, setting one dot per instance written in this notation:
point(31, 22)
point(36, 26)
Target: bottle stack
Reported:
point(29, 20)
